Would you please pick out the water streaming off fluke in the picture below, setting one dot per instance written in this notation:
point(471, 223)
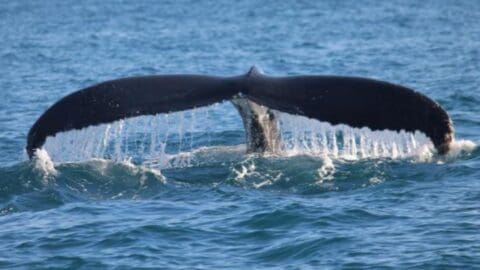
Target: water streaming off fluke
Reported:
point(185, 138)
point(167, 139)
point(301, 135)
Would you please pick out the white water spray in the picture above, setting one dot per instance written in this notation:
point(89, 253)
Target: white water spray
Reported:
point(166, 140)
point(305, 136)
point(184, 139)
point(43, 164)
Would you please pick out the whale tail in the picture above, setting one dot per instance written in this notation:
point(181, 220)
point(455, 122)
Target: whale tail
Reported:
point(357, 102)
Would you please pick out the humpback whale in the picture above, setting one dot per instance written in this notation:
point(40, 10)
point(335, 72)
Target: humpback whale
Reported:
point(354, 101)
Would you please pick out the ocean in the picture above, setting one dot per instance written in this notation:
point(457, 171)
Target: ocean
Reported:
point(178, 191)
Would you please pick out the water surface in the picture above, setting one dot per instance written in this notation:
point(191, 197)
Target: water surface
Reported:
point(217, 207)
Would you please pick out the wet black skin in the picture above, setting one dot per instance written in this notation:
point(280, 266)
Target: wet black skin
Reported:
point(357, 102)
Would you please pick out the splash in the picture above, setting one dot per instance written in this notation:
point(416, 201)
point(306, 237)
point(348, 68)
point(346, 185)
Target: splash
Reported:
point(326, 171)
point(43, 164)
point(215, 134)
point(459, 148)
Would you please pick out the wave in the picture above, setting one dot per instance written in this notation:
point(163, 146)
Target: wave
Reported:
point(42, 184)
point(141, 158)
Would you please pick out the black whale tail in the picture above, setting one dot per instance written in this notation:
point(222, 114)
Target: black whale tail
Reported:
point(129, 97)
point(357, 102)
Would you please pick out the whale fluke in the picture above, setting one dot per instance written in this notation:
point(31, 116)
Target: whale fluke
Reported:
point(123, 98)
point(357, 102)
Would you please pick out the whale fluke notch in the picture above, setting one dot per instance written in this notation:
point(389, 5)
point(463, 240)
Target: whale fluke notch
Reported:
point(357, 102)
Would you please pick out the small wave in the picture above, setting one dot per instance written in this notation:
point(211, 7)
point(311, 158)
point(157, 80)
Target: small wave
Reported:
point(41, 184)
point(308, 174)
point(301, 248)
point(37, 186)
point(298, 172)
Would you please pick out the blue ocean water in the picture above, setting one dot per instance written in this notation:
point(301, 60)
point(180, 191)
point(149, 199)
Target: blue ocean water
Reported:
point(228, 210)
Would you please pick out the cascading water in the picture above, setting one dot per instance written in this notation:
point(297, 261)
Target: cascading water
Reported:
point(175, 139)
point(301, 135)
point(166, 140)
